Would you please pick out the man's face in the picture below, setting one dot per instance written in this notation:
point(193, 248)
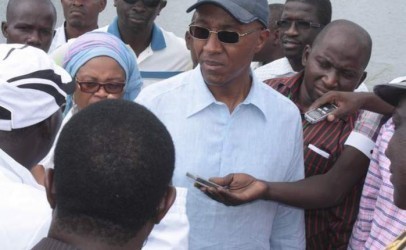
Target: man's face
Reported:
point(396, 154)
point(224, 63)
point(82, 13)
point(295, 38)
point(30, 23)
point(335, 63)
point(137, 16)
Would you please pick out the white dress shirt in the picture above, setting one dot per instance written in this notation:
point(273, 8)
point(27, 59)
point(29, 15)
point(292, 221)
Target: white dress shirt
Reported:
point(261, 137)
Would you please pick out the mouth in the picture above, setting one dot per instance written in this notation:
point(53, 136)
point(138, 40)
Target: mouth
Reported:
point(136, 18)
point(320, 92)
point(211, 65)
point(76, 12)
point(289, 44)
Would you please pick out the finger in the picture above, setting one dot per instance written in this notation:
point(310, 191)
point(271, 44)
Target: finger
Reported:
point(339, 113)
point(331, 118)
point(223, 181)
point(324, 99)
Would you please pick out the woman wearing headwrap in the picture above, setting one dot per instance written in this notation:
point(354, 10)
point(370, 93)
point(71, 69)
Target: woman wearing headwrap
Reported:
point(103, 67)
point(100, 62)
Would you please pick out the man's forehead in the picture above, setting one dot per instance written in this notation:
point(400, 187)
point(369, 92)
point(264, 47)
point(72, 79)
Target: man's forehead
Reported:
point(208, 13)
point(300, 10)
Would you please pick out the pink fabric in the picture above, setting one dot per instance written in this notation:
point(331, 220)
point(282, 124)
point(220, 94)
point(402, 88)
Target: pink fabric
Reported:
point(379, 221)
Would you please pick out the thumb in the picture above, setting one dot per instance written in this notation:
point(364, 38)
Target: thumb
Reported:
point(223, 181)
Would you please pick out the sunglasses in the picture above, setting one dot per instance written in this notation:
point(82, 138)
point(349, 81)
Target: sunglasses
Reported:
point(93, 87)
point(147, 3)
point(223, 35)
point(299, 24)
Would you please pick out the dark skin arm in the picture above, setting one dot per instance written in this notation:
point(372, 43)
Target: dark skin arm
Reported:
point(351, 102)
point(317, 191)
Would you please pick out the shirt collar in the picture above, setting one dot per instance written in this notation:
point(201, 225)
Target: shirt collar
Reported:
point(256, 96)
point(201, 97)
point(157, 41)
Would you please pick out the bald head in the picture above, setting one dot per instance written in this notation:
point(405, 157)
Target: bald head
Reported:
point(13, 5)
point(30, 22)
point(347, 35)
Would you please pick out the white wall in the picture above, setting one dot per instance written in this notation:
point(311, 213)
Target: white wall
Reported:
point(385, 21)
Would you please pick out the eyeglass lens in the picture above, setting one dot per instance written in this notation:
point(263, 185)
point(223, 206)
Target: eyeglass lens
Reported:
point(300, 24)
point(148, 3)
point(93, 87)
point(223, 36)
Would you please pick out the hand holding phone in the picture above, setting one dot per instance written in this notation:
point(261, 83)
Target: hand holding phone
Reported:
point(201, 181)
point(320, 113)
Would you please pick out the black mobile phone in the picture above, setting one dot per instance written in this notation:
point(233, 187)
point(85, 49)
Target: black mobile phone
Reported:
point(201, 181)
point(319, 114)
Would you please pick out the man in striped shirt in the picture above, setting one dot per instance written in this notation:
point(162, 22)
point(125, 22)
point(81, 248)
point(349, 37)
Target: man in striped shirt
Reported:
point(336, 61)
point(381, 218)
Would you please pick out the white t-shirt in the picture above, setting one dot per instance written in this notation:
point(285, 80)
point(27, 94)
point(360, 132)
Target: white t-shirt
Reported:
point(24, 208)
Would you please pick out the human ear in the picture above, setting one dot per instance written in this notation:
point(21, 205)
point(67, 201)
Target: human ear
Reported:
point(262, 39)
point(362, 79)
point(306, 53)
point(50, 188)
point(102, 5)
point(4, 29)
point(165, 204)
point(276, 35)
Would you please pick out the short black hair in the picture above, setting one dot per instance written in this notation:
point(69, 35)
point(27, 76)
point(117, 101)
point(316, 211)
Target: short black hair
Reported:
point(324, 9)
point(114, 161)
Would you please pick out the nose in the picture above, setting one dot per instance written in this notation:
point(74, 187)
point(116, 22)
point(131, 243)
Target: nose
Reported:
point(34, 39)
point(101, 93)
point(213, 44)
point(331, 80)
point(139, 6)
point(292, 30)
point(77, 2)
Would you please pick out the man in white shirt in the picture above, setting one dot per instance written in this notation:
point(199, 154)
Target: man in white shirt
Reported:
point(80, 17)
point(31, 94)
point(160, 54)
point(223, 119)
point(271, 60)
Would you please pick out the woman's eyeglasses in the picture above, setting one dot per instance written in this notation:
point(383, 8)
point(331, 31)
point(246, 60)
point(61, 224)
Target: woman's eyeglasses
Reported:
point(93, 87)
point(223, 35)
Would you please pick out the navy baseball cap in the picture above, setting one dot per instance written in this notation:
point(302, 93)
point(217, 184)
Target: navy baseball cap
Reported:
point(245, 11)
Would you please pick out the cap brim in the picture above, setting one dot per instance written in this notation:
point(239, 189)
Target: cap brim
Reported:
point(240, 14)
point(390, 93)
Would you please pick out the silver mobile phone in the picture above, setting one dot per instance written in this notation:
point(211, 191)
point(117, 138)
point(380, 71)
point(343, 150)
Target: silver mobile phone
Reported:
point(201, 181)
point(319, 114)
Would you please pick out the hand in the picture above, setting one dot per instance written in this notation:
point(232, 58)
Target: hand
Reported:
point(347, 103)
point(236, 189)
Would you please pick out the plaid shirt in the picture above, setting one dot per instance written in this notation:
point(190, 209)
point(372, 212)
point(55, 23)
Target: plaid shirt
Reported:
point(379, 221)
point(366, 131)
point(328, 228)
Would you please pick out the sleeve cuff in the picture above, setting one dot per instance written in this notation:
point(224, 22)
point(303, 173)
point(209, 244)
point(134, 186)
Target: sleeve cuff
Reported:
point(361, 142)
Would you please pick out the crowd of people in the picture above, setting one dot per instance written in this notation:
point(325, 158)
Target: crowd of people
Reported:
point(100, 128)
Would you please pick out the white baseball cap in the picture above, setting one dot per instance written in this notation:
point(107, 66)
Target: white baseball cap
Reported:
point(32, 86)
